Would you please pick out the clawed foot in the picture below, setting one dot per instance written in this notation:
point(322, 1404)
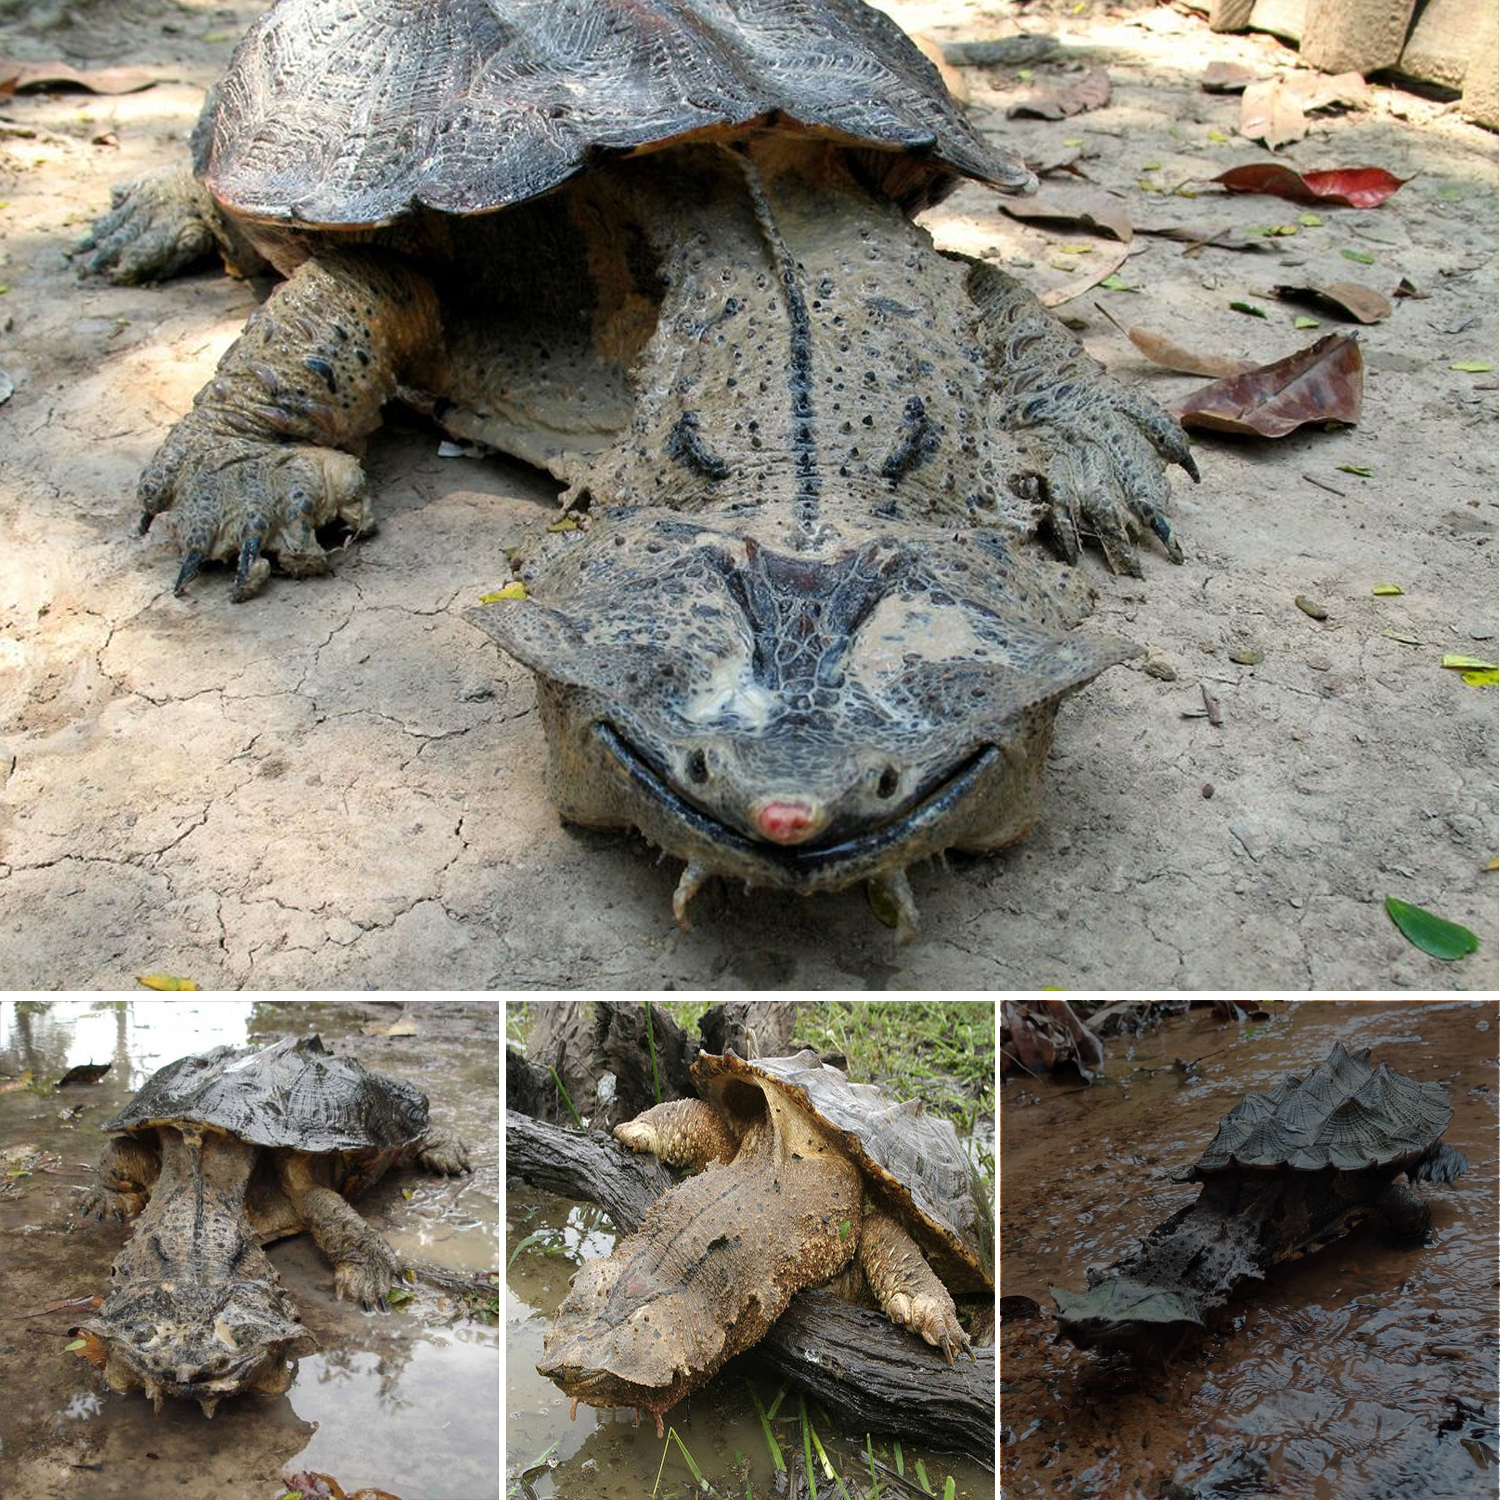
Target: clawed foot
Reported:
point(1099, 473)
point(156, 226)
point(244, 499)
point(367, 1275)
point(103, 1204)
point(441, 1152)
point(935, 1319)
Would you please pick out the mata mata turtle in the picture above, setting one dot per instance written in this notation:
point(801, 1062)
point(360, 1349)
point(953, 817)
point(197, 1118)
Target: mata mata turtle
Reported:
point(220, 1153)
point(808, 1180)
point(794, 629)
point(1287, 1173)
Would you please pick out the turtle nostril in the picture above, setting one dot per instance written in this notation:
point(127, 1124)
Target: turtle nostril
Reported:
point(890, 779)
point(697, 767)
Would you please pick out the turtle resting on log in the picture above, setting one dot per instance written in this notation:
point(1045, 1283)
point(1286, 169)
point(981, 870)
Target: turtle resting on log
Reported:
point(220, 1153)
point(1287, 1173)
point(807, 1180)
point(794, 629)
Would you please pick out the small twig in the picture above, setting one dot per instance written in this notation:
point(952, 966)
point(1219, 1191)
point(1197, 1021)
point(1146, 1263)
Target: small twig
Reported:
point(1323, 485)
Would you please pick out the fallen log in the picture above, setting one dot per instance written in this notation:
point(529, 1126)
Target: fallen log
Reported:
point(855, 1361)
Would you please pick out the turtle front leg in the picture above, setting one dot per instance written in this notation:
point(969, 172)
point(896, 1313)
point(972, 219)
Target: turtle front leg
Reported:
point(364, 1266)
point(260, 462)
point(682, 1133)
point(906, 1287)
point(1095, 450)
point(128, 1169)
point(442, 1152)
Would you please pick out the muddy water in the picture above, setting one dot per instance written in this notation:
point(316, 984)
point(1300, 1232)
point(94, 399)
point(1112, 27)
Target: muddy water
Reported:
point(1355, 1374)
point(405, 1400)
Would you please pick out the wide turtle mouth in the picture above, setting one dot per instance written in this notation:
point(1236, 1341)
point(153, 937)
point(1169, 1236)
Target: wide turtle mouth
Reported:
point(819, 864)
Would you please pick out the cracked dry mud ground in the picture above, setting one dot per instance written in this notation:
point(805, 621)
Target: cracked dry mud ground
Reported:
point(340, 783)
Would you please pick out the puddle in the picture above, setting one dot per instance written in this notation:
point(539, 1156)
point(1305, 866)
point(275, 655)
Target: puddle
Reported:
point(404, 1400)
point(1353, 1374)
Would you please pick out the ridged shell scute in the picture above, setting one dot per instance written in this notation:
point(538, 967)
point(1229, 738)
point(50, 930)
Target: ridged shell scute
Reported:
point(347, 113)
point(1345, 1114)
point(294, 1093)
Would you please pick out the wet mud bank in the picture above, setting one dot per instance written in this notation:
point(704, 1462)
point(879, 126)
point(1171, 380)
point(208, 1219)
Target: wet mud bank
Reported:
point(1365, 1371)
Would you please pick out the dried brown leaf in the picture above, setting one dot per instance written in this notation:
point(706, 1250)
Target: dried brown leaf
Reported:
point(1225, 78)
point(1161, 350)
point(1322, 383)
point(1090, 278)
point(18, 77)
point(1362, 303)
point(1091, 91)
point(1087, 210)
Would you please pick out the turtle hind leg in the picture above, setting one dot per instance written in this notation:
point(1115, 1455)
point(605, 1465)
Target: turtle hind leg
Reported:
point(906, 1286)
point(682, 1133)
point(128, 1169)
point(1407, 1214)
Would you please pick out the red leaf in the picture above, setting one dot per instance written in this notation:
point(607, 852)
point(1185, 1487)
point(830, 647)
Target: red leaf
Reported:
point(1322, 383)
point(1345, 187)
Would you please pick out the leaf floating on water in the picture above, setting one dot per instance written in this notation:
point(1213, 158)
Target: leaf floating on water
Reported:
point(1434, 935)
point(1322, 383)
point(165, 982)
point(1345, 187)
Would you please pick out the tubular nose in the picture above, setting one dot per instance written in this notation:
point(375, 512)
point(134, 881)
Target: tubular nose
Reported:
point(788, 820)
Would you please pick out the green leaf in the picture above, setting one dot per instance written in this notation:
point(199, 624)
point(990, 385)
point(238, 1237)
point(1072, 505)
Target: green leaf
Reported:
point(1310, 221)
point(1471, 366)
point(1432, 934)
point(165, 982)
point(1151, 166)
point(1404, 636)
point(1363, 470)
point(1074, 249)
point(1025, 74)
point(1362, 256)
point(516, 590)
point(1247, 307)
point(1117, 283)
point(1217, 136)
point(1387, 590)
point(1305, 322)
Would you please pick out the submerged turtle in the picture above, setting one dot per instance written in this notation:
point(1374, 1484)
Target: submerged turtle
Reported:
point(810, 1180)
point(792, 631)
point(1287, 1173)
point(220, 1153)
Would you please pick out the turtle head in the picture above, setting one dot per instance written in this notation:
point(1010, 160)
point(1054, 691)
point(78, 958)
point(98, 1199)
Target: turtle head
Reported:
point(1123, 1314)
point(197, 1342)
point(795, 719)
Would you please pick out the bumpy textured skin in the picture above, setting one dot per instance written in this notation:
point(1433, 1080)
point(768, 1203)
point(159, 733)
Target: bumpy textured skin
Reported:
point(811, 1197)
point(221, 1152)
point(801, 637)
point(1287, 1173)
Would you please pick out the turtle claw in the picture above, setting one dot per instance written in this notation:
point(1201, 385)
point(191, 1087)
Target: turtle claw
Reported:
point(694, 878)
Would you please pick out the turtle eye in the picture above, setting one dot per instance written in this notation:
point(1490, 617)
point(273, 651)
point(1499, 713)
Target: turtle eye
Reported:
point(697, 767)
point(890, 779)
